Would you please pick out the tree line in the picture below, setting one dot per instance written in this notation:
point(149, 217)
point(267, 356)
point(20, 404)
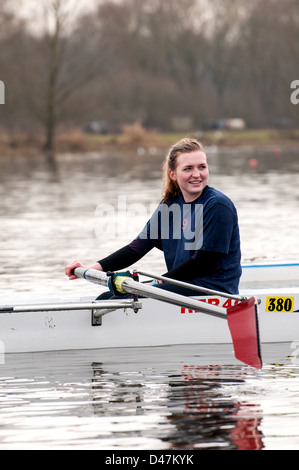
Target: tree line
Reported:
point(148, 61)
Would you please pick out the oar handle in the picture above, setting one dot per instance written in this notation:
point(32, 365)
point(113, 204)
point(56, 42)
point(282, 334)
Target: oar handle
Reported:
point(92, 275)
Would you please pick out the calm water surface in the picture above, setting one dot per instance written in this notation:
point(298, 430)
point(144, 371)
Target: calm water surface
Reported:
point(179, 397)
point(51, 213)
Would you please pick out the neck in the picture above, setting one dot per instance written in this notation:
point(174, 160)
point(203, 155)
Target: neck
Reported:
point(190, 197)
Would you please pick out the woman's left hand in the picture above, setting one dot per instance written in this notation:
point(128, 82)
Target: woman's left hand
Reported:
point(156, 282)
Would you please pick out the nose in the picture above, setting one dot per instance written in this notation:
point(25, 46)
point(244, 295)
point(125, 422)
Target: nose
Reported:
point(196, 173)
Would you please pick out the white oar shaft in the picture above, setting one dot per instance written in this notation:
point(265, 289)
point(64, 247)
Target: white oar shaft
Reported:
point(200, 289)
point(132, 287)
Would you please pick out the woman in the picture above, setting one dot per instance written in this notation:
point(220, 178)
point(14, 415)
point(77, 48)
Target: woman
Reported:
point(195, 226)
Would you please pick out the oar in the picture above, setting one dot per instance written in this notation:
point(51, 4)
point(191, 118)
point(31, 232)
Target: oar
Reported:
point(196, 288)
point(242, 318)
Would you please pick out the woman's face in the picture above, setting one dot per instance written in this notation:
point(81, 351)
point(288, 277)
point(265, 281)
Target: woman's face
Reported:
point(191, 174)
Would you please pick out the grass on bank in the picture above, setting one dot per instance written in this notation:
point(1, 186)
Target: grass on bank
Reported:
point(135, 136)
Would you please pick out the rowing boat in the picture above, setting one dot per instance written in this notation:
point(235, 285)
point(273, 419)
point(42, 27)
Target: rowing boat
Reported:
point(266, 273)
point(83, 323)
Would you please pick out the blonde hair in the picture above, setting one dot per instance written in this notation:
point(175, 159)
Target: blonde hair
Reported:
point(171, 188)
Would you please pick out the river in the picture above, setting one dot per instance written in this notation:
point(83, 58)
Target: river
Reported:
point(84, 206)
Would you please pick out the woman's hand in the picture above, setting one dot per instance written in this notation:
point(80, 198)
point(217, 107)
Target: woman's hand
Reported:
point(76, 264)
point(69, 269)
point(156, 282)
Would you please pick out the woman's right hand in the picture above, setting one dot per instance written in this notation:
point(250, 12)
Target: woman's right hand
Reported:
point(69, 269)
point(76, 264)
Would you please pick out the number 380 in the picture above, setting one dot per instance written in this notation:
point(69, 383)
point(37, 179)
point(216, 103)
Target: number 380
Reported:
point(279, 304)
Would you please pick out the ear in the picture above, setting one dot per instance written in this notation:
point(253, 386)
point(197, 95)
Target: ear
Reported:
point(172, 175)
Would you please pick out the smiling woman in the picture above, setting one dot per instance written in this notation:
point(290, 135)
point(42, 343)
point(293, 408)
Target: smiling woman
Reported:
point(195, 225)
point(191, 174)
point(180, 157)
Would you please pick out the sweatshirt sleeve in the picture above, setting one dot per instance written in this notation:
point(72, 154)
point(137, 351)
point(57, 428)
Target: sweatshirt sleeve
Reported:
point(148, 239)
point(125, 256)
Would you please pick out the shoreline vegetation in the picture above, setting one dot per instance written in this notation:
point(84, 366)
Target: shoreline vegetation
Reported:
point(135, 137)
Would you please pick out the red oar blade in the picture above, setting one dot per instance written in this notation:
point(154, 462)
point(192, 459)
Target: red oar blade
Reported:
point(243, 325)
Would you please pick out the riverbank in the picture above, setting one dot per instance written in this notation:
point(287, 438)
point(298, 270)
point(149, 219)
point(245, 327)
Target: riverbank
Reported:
point(137, 138)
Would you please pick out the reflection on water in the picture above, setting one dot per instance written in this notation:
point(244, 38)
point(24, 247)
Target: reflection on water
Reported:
point(211, 419)
point(198, 414)
point(48, 210)
point(180, 397)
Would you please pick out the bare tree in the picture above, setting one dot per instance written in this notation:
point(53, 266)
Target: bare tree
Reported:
point(55, 59)
point(56, 65)
point(12, 31)
point(148, 60)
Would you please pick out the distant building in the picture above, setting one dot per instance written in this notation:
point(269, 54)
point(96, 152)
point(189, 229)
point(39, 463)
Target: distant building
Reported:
point(222, 124)
point(181, 123)
point(96, 127)
point(235, 123)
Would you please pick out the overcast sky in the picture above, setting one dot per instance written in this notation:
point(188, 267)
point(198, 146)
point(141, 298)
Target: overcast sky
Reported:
point(33, 10)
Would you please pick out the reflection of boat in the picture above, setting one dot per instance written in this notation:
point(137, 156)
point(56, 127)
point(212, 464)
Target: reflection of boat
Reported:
point(206, 404)
point(79, 324)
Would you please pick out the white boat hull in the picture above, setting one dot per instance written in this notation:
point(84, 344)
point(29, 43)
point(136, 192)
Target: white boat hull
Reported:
point(155, 324)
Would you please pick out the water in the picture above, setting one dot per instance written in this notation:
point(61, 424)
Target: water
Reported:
point(49, 216)
point(185, 398)
point(181, 397)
